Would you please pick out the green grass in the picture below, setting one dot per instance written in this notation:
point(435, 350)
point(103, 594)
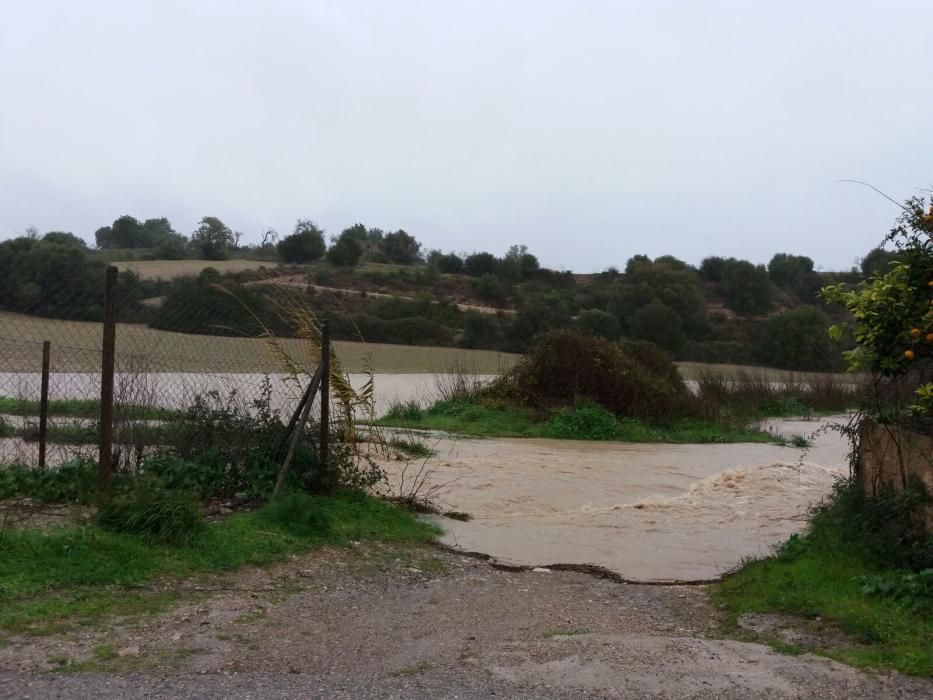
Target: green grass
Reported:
point(584, 423)
point(57, 579)
point(842, 571)
point(77, 434)
point(411, 447)
point(80, 408)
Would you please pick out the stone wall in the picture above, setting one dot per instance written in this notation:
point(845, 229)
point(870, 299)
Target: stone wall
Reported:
point(893, 455)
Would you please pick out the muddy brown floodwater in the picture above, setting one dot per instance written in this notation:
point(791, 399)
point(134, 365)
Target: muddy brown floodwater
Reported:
point(649, 512)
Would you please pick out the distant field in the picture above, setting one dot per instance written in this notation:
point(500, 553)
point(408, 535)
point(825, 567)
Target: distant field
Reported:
point(76, 348)
point(169, 269)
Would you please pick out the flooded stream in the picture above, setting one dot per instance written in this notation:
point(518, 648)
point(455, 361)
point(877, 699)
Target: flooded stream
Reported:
point(649, 512)
point(645, 511)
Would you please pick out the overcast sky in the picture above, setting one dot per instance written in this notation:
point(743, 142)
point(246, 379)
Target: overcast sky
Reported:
point(590, 131)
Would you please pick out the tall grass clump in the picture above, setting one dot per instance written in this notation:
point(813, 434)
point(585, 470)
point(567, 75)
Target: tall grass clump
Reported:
point(746, 394)
point(155, 514)
point(458, 383)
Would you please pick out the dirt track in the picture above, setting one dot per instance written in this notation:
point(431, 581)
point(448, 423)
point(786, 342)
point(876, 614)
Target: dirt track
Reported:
point(423, 622)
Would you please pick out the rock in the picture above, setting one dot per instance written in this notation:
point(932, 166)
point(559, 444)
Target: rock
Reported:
point(541, 570)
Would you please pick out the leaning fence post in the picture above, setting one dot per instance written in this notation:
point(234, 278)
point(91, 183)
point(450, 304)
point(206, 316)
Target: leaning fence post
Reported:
point(105, 457)
point(325, 402)
point(44, 402)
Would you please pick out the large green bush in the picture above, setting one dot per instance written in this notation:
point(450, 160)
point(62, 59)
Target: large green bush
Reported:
point(570, 367)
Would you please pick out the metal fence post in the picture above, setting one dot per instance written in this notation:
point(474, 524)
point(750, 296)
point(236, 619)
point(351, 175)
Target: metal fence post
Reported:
point(325, 402)
point(44, 402)
point(105, 456)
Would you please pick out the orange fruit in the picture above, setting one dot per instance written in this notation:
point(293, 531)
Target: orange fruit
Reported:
point(915, 332)
point(909, 354)
point(930, 337)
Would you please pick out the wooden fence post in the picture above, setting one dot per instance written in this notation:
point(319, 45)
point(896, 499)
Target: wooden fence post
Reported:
point(44, 402)
point(325, 403)
point(105, 456)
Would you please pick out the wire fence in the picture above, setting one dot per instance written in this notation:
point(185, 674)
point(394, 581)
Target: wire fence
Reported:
point(159, 374)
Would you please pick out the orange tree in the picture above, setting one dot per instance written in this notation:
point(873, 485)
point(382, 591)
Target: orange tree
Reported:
point(893, 321)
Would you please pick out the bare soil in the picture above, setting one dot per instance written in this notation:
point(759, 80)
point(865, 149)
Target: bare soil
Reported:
point(374, 621)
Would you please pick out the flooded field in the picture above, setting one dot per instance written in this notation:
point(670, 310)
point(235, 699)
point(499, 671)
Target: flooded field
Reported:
point(176, 390)
point(650, 512)
point(646, 511)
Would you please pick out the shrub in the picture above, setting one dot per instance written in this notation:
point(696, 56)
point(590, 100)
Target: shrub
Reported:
point(480, 330)
point(407, 410)
point(345, 251)
point(299, 514)
point(600, 323)
point(74, 481)
point(568, 367)
point(304, 245)
point(155, 514)
point(588, 422)
point(886, 529)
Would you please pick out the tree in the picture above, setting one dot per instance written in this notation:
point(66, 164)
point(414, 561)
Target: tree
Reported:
point(798, 340)
point(126, 232)
point(667, 281)
point(345, 250)
point(659, 324)
point(600, 323)
point(711, 268)
point(270, 238)
point(401, 248)
point(480, 264)
point(518, 264)
point(212, 238)
point(64, 238)
point(790, 272)
point(304, 245)
point(491, 289)
point(479, 330)
point(448, 263)
point(159, 235)
point(878, 261)
point(103, 237)
point(747, 287)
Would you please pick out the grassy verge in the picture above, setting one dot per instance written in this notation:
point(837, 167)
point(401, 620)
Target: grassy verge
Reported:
point(79, 576)
point(880, 603)
point(585, 423)
point(80, 408)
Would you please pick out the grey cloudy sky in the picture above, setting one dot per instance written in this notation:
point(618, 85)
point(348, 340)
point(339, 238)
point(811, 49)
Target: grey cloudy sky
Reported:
point(590, 131)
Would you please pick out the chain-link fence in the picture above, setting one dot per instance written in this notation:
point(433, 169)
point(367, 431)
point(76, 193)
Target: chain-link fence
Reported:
point(159, 374)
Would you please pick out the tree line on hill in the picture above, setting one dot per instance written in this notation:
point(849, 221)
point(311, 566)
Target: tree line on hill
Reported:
point(724, 310)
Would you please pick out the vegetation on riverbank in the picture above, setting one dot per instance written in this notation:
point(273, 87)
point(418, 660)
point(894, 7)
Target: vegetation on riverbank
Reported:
point(864, 568)
point(50, 580)
point(587, 422)
point(574, 386)
point(865, 563)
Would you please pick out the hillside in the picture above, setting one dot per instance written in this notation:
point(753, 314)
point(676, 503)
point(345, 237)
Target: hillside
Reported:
point(382, 288)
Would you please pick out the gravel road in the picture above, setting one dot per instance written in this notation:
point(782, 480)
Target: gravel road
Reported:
point(422, 622)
